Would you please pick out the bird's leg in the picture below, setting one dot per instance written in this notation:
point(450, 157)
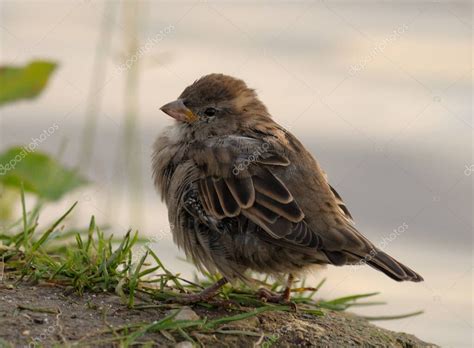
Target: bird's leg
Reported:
point(287, 292)
point(284, 297)
point(203, 296)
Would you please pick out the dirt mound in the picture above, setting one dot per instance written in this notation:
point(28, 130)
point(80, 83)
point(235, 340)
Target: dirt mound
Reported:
point(49, 315)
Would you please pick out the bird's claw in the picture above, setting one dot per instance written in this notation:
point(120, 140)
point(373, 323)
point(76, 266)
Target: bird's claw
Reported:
point(272, 297)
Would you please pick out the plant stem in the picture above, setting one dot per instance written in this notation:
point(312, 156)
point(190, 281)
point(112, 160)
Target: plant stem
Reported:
point(132, 145)
point(97, 83)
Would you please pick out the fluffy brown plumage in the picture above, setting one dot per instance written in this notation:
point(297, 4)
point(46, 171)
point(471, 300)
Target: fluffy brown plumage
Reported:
point(244, 194)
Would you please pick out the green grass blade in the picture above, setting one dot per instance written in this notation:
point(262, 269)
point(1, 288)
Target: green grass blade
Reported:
point(24, 217)
point(393, 317)
point(346, 299)
point(134, 281)
point(90, 234)
point(168, 273)
point(45, 235)
point(213, 323)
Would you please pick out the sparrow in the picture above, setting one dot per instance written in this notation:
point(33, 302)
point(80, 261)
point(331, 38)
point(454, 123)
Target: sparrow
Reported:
point(243, 193)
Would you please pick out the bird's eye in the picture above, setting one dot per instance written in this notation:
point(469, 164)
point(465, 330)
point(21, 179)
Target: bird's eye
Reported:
point(210, 111)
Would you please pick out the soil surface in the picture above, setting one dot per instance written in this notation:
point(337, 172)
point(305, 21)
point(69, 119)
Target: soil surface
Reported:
point(44, 315)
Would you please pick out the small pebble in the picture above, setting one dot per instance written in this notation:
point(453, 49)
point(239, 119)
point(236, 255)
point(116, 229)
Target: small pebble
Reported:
point(39, 320)
point(186, 313)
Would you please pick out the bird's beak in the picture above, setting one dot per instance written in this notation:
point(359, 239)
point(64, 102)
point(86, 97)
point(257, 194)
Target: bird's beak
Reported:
point(179, 111)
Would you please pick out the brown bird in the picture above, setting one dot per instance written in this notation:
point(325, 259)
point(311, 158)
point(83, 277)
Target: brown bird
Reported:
point(244, 194)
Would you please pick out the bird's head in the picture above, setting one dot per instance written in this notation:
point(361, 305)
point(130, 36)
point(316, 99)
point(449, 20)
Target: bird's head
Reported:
point(217, 102)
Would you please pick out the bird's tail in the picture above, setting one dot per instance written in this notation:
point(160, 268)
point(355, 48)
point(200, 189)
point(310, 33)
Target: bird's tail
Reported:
point(359, 250)
point(391, 267)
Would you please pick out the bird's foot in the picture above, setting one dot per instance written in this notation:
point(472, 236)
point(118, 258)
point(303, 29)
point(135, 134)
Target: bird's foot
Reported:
point(280, 298)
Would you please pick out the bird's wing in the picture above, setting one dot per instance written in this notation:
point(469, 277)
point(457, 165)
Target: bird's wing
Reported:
point(342, 206)
point(238, 181)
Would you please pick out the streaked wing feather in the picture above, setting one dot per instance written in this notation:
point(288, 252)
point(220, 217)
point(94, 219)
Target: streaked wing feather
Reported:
point(254, 191)
point(230, 207)
point(242, 190)
point(265, 182)
point(341, 204)
point(290, 211)
point(266, 214)
point(214, 202)
point(273, 159)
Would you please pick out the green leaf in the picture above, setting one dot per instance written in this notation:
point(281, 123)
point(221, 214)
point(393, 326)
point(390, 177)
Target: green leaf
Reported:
point(39, 173)
point(24, 82)
point(8, 200)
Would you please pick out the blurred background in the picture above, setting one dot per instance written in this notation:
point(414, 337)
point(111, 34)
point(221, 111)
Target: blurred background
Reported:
point(380, 92)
